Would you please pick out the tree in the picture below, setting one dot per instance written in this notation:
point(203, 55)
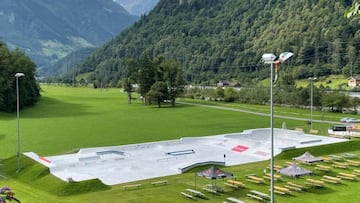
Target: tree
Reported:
point(11, 63)
point(174, 78)
point(336, 101)
point(127, 86)
point(219, 93)
point(230, 95)
point(158, 92)
point(354, 10)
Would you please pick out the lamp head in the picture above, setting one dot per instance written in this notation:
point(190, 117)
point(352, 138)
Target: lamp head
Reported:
point(285, 56)
point(268, 58)
point(19, 75)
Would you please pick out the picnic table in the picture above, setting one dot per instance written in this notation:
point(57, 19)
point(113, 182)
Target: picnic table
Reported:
point(340, 165)
point(316, 183)
point(350, 155)
point(356, 172)
point(296, 185)
point(331, 179)
point(323, 168)
point(255, 179)
point(336, 157)
point(281, 190)
point(276, 176)
point(326, 159)
point(346, 176)
point(213, 189)
point(234, 184)
point(353, 163)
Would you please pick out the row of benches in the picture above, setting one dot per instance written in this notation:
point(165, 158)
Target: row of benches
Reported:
point(137, 186)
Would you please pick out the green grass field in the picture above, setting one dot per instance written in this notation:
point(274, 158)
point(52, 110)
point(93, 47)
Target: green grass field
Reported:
point(67, 119)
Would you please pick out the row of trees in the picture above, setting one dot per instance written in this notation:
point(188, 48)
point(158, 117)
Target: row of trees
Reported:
point(12, 62)
point(159, 80)
point(288, 95)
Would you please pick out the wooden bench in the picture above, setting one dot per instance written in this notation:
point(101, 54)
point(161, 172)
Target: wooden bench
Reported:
point(161, 182)
point(296, 185)
point(260, 194)
point(210, 190)
point(187, 195)
point(234, 200)
point(326, 159)
point(323, 168)
point(132, 186)
point(195, 193)
point(255, 197)
point(293, 188)
point(299, 129)
point(253, 181)
point(256, 179)
point(279, 192)
point(312, 131)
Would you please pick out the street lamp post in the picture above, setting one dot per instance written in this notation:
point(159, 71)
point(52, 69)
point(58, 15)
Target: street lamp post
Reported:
point(270, 59)
point(17, 75)
point(311, 100)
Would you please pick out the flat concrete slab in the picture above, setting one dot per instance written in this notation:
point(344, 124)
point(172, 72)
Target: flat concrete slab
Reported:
point(127, 163)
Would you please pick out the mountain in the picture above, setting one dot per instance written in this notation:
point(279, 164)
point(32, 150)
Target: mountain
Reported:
point(225, 40)
point(138, 7)
point(48, 30)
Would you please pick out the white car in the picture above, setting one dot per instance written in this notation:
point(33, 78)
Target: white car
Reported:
point(350, 120)
point(344, 120)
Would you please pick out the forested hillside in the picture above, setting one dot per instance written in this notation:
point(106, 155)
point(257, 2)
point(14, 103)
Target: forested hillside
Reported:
point(48, 30)
point(225, 39)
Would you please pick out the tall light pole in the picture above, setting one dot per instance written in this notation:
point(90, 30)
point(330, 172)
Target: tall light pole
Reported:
point(270, 59)
point(17, 75)
point(311, 100)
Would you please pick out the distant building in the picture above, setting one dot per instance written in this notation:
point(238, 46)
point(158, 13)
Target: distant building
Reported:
point(353, 81)
point(222, 83)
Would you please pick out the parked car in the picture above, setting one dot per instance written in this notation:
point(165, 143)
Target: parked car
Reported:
point(350, 120)
point(344, 120)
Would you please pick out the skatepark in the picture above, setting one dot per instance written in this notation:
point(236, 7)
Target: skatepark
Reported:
point(127, 163)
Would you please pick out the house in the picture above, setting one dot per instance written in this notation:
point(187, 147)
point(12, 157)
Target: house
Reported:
point(353, 81)
point(222, 83)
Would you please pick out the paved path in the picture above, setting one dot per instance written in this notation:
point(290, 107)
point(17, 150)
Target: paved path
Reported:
point(260, 114)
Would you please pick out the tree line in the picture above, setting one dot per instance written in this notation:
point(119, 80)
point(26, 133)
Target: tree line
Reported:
point(12, 62)
point(284, 93)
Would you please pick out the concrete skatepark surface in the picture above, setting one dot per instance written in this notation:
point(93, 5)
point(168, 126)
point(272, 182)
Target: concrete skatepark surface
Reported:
point(127, 163)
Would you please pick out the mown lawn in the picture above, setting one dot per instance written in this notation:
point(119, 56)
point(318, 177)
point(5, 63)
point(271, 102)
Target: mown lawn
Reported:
point(67, 119)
